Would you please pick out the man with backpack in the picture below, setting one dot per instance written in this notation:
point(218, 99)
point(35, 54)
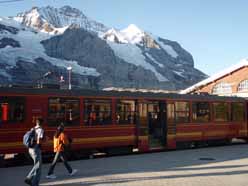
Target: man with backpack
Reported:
point(33, 140)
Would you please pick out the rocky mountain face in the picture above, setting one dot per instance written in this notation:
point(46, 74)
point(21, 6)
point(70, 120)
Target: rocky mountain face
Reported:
point(56, 20)
point(50, 40)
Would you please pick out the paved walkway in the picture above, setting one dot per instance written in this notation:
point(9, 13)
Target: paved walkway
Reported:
point(218, 166)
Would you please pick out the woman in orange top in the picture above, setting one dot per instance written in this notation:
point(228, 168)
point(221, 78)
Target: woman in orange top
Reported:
point(59, 141)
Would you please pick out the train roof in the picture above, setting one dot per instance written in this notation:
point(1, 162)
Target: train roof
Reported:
point(118, 94)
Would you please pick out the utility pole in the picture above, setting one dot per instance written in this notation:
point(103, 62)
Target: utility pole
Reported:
point(69, 78)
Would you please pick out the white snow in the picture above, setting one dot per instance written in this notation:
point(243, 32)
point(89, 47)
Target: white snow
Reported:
point(5, 74)
point(132, 34)
point(120, 89)
point(241, 64)
point(135, 57)
point(31, 48)
point(154, 60)
point(31, 18)
point(112, 34)
point(169, 49)
point(7, 21)
point(58, 18)
point(179, 73)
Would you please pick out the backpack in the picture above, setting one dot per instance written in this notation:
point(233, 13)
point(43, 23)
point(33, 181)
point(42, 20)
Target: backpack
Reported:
point(29, 138)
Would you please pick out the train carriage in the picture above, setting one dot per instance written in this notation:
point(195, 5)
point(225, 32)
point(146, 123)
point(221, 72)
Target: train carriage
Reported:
point(118, 122)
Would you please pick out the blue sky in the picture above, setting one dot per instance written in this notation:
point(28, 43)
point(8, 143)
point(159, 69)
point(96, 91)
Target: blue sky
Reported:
point(213, 31)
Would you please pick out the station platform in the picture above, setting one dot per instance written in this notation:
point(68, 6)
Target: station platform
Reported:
point(212, 166)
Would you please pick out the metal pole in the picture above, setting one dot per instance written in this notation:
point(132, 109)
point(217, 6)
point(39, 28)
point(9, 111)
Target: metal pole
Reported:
point(69, 79)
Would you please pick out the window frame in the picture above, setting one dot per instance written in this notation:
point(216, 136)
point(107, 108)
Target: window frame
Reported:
point(56, 122)
point(226, 88)
point(243, 86)
point(134, 113)
point(186, 112)
point(93, 118)
point(228, 112)
point(197, 120)
point(243, 117)
point(12, 102)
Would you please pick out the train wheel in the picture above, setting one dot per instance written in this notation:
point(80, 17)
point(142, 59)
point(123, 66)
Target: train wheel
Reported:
point(119, 150)
point(228, 141)
point(201, 144)
point(2, 163)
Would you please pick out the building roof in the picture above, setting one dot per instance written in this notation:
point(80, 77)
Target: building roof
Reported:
point(243, 63)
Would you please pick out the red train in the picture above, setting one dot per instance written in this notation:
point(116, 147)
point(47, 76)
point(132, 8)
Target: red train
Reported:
point(120, 121)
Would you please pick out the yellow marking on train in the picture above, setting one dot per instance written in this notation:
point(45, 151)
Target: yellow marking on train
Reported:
point(244, 132)
point(103, 139)
point(143, 137)
point(76, 141)
point(11, 144)
point(171, 136)
point(218, 133)
point(189, 134)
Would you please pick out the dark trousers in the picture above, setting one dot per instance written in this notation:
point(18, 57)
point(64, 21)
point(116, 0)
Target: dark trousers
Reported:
point(62, 156)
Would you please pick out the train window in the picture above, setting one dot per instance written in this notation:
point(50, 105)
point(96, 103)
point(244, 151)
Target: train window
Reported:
point(221, 111)
point(97, 112)
point(238, 112)
point(200, 112)
point(12, 109)
point(153, 111)
point(126, 112)
point(64, 110)
point(181, 112)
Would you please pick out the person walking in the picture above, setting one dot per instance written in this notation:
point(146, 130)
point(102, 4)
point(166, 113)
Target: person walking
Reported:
point(60, 140)
point(33, 178)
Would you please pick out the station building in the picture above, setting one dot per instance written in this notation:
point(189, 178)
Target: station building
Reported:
point(229, 82)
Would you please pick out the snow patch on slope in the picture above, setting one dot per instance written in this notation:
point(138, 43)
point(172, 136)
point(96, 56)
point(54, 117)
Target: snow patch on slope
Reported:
point(169, 49)
point(154, 60)
point(179, 73)
point(5, 74)
point(31, 48)
point(135, 57)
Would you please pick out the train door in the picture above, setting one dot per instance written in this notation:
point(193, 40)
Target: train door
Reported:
point(171, 126)
point(142, 127)
point(157, 127)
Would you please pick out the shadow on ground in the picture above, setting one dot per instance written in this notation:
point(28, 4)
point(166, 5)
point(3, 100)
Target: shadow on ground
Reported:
point(179, 161)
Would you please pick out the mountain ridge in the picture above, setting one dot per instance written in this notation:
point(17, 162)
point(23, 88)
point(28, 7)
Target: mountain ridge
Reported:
point(101, 57)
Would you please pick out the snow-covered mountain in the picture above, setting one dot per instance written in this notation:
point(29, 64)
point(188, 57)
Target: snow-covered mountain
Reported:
point(132, 35)
point(56, 20)
point(51, 39)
